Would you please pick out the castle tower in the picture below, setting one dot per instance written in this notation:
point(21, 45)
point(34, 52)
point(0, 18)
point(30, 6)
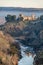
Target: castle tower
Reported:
point(33, 16)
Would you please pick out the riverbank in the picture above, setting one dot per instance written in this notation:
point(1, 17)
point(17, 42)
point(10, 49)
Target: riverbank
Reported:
point(15, 37)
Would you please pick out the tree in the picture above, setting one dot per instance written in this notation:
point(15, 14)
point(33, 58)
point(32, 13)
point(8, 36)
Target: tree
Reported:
point(13, 18)
point(10, 18)
point(41, 17)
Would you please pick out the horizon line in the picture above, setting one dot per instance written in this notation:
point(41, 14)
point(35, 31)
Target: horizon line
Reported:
point(22, 7)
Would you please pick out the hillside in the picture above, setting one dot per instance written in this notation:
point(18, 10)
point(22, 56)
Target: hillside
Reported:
point(8, 49)
point(28, 33)
point(31, 31)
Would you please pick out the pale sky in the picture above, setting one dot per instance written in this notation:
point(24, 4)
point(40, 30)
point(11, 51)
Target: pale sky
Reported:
point(22, 3)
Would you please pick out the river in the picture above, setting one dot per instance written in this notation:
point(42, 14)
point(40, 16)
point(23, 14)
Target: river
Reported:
point(26, 60)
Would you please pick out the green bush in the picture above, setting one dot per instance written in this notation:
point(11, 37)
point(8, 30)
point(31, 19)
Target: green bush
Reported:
point(10, 18)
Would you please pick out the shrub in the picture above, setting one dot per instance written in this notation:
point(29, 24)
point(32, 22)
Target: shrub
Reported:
point(10, 18)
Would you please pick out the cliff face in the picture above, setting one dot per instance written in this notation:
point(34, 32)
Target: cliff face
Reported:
point(4, 44)
point(8, 51)
point(31, 31)
point(26, 32)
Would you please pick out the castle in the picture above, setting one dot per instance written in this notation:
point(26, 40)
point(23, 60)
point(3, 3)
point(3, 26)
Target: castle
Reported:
point(32, 17)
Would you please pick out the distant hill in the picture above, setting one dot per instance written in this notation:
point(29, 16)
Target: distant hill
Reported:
point(20, 9)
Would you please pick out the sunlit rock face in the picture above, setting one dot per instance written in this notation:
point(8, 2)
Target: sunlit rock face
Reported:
point(4, 44)
point(7, 46)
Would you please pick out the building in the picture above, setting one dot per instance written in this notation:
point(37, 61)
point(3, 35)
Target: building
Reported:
point(32, 17)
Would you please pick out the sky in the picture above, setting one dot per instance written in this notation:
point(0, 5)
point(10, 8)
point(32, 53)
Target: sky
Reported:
point(22, 3)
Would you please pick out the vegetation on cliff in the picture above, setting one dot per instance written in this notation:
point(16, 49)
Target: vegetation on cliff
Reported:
point(32, 31)
point(8, 49)
point(29, 33)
